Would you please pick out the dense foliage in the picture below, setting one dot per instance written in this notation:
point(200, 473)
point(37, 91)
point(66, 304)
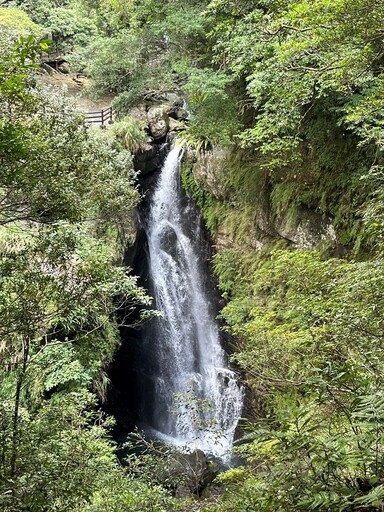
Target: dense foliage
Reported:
point(307, 326)
point(66, 197)
point(293, 91)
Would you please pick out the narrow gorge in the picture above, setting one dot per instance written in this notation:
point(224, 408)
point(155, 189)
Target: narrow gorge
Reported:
point(184, 391)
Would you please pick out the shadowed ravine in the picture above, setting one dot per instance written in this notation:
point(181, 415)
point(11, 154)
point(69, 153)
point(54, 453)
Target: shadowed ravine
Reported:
point(194, 398)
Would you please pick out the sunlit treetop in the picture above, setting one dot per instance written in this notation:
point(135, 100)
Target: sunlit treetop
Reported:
point(16, 22)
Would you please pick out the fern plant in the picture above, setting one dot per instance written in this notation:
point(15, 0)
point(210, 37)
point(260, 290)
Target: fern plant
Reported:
point(131, 133)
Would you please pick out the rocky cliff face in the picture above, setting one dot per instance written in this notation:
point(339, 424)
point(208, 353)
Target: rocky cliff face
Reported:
point(163, 122)
point(259, 219)
point(303, 228)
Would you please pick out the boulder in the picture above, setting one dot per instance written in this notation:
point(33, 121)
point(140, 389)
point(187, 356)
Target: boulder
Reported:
point(176, 109)
point(181, 114)
point(171, 137)
point(175, 126)
point(147, 160)
point(192, 471)
point(64, 68)
point(172, 97)
point(158, 121)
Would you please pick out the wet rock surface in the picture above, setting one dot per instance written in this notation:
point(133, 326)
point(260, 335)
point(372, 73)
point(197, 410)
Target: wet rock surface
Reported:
point(191, 473)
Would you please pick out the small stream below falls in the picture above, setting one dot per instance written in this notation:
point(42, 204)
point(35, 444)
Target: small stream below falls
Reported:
point(173, 377)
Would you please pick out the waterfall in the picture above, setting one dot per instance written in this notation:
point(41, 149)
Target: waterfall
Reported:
point(195, 401)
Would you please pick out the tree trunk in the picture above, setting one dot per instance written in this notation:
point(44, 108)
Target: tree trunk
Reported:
point(15, 421)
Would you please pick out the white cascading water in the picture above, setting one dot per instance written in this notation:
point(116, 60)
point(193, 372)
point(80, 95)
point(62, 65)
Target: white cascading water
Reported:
point(197, 398)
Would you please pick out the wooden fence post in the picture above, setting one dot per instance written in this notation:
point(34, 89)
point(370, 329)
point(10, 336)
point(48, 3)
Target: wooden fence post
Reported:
point(102, 116)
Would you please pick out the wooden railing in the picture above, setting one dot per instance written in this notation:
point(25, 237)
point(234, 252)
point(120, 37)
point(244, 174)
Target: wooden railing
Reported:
point(100, 117)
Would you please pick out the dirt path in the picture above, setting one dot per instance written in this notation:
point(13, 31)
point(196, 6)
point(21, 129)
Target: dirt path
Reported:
point(75, 87)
